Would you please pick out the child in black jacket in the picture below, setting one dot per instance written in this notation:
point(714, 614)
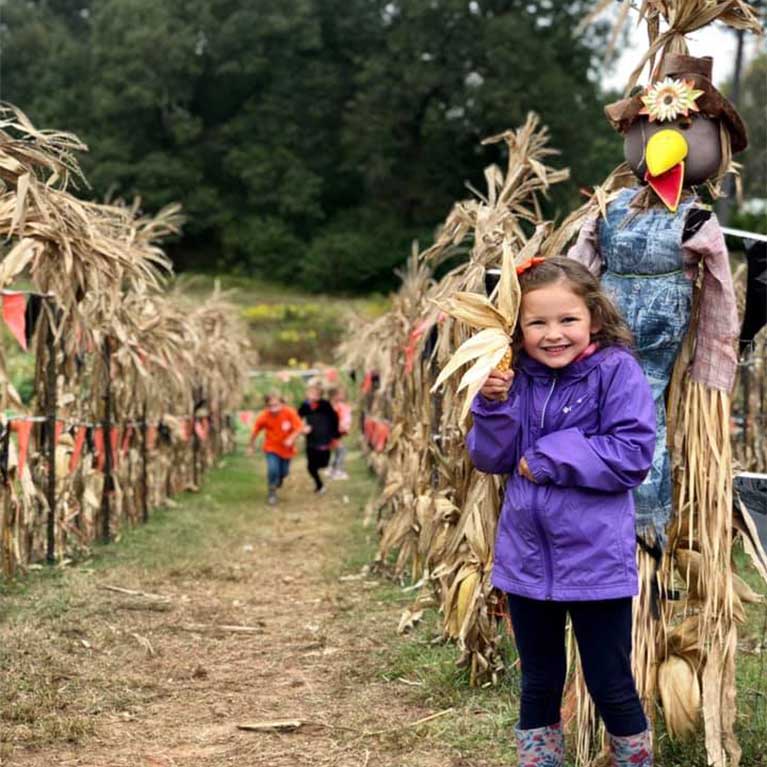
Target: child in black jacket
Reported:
point(321, 429)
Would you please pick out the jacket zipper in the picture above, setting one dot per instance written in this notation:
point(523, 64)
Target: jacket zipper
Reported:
point(548, 398)
point(547, 567)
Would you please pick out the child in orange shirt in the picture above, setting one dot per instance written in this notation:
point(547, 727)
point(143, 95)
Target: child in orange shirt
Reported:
point(282, 425)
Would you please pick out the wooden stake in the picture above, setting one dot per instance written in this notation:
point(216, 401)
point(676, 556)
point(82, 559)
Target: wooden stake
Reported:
point(144, 459)
point(107, 426)
point(50, 423)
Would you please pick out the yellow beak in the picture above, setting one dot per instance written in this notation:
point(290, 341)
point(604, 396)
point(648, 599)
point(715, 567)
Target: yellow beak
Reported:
point(664, 150)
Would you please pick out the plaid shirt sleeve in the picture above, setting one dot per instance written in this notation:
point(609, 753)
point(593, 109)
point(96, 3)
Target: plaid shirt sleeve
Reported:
point(715, 361)
point(586, 250)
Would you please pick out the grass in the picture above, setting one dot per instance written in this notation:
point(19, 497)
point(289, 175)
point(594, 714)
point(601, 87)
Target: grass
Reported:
point(53, 611)
point(486, 717)
point(288, 327)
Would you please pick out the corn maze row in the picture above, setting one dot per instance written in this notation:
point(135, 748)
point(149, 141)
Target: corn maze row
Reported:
point(132, 382)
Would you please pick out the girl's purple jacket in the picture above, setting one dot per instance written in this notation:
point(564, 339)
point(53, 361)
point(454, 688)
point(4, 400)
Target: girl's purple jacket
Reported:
point(588, 434)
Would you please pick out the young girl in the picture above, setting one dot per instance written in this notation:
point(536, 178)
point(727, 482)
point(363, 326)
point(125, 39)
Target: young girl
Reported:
point(321, 429)
point(344, 412)
point(282, 426)
point(574, 427)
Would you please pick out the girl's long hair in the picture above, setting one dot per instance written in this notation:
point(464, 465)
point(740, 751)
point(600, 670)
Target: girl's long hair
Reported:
point(613, 328)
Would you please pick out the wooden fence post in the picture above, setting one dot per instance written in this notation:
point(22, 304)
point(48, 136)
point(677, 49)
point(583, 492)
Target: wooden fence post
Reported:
point(144, 459)
point(107, 431)
point(50, 423)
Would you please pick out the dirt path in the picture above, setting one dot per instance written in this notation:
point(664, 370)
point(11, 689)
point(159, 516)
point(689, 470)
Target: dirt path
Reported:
point(95, 677)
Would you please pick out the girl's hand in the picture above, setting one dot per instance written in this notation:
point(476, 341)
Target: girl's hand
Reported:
point(497, 386)
point(524, 470)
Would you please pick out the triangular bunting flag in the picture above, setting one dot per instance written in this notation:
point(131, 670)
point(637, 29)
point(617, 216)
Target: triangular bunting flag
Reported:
point(114, 441)
point(23, 431)
point(14, 307)
point(201, 429)
point(98, 447)
point(74, 459)
point(126, 440)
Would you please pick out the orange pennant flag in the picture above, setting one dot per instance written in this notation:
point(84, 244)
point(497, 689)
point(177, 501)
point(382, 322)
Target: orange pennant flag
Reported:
point(114, 441)
point(98, 446)
point(201, 429)
point(126, 440)
point(78, 449)
point(14, 308)
point(23, 431)
point(151, 437)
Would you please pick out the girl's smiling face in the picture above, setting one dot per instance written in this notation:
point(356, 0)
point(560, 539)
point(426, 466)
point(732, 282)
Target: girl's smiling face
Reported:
point(556, 324)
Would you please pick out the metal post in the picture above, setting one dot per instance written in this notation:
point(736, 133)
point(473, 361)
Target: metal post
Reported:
point(50, 424)
point(144, 459)
point(745, 379)
point(107, 427)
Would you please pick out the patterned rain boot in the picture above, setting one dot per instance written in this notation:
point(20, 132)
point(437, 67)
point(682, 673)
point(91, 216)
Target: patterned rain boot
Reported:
point(632, 750)
point(541, 747)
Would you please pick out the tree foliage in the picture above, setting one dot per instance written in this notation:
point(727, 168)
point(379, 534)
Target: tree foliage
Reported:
point(308, 140)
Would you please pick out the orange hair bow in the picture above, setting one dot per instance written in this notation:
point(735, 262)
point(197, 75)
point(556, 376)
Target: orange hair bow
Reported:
point(529, 264)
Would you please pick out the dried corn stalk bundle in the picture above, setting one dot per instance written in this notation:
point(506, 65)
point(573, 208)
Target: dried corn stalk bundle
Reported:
point(389, 347)
point(441, 512)
point(108, 330)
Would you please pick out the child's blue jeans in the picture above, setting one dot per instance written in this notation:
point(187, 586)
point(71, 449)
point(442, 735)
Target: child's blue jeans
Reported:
point(603, 632)
point(277, 468)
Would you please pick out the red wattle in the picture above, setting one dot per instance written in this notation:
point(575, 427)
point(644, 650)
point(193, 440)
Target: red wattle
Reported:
point(668, 185)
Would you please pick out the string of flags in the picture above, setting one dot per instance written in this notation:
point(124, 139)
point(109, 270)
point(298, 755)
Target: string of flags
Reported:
point(84, 433)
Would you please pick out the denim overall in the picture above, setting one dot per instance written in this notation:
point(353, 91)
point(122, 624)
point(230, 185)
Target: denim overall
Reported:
point(643, 274)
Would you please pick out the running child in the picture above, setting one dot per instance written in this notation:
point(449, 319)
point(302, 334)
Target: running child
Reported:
point(343, 410)
point(575, 434)
point(321, 429)
point(282, 426)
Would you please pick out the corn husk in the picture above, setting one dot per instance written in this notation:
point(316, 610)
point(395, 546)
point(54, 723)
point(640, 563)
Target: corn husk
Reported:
point(680, 696)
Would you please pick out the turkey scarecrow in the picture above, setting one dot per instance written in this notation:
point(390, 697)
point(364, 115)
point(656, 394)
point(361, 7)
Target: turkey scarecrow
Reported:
point(662, 257)
point(679, 133)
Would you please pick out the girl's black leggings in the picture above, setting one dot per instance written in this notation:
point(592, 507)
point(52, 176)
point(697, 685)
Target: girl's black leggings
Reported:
point(603, 632)
point(317, 459)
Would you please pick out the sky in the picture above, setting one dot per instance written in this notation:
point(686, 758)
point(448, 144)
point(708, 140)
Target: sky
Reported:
point(716, 40)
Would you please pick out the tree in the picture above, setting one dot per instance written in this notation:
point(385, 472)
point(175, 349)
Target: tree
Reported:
point(309, 137)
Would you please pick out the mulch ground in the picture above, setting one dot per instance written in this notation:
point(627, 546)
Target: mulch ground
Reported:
point(156, 665)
